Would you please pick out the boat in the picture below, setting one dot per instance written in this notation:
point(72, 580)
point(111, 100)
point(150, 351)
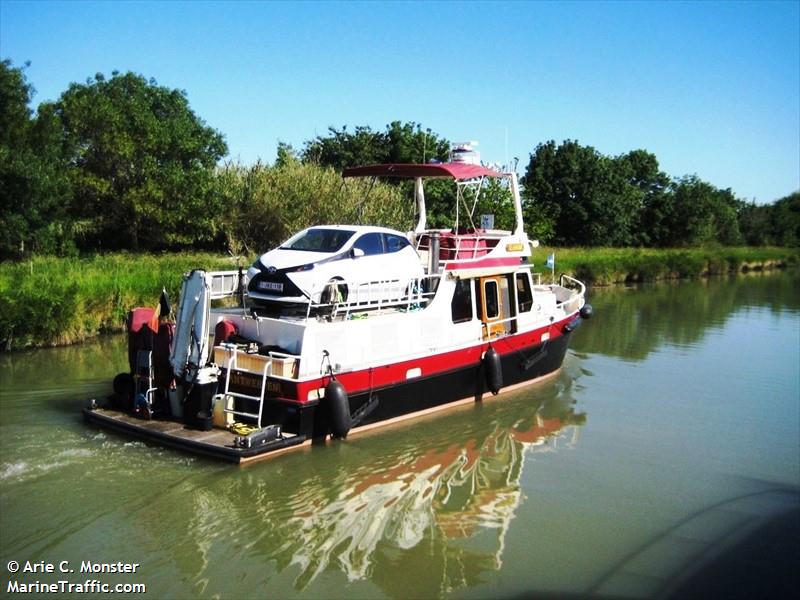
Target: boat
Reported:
point(477, 322)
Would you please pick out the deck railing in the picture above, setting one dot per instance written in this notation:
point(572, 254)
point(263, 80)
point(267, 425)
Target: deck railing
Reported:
point(346, 299)
point(226, 284)
point(576, 291)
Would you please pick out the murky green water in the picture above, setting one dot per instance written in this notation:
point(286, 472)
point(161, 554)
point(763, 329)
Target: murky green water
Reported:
point(674, 426)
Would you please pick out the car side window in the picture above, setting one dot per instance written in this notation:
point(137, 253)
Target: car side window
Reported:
point(395, 243)
point(370, 243)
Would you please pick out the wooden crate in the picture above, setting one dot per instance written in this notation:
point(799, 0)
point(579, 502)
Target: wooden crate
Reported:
point(282, 367)
point(249, 362)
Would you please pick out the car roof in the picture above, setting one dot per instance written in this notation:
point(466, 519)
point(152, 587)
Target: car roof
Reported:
point(360, 228)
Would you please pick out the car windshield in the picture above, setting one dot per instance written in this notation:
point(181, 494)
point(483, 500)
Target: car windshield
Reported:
point(319, 240)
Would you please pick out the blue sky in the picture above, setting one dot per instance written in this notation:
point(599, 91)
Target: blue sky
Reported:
point(709, 88)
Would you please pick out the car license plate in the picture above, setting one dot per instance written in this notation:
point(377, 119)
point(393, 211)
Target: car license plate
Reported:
point(270, 286)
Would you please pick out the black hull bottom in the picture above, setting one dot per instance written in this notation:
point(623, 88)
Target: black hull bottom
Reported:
point(424, 394)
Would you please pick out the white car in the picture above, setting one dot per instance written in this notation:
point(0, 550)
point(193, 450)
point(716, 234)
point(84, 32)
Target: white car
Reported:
point(335, 263)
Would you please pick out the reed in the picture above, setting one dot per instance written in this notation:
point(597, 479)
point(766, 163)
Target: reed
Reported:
point(606, 266)
point(48, 301)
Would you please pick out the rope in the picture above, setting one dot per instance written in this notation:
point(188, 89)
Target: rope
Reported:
point(242, 428)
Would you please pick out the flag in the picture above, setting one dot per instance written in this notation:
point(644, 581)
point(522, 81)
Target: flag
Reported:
point(164, 309)
point(551, 261)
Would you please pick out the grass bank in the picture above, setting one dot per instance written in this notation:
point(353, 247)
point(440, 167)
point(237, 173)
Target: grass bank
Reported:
point(49, 301)
point(606, 266)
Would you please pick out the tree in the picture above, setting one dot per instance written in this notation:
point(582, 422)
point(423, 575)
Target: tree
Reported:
point(34, 190)
point(400, 143)
point(585, 196)
point(693, 212)
point(265, 205)
point(785, 220)
point(141, 163)
point(641, 171)
point(754, 223)
point(286, 155)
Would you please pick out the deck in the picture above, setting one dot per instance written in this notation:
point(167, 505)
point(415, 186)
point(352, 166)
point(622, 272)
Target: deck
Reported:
point(217, 443)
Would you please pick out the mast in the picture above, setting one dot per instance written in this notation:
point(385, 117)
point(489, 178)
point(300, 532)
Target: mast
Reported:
point(419, 196)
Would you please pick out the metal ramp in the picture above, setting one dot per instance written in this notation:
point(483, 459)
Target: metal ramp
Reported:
point(226, 284)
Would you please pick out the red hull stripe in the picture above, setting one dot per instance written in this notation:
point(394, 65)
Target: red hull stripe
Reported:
point(391, 374)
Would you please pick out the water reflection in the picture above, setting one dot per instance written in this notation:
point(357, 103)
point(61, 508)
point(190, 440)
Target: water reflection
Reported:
point(436, 502)
point(678, 313)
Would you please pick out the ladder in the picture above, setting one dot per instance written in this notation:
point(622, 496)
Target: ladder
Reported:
point(144, 376)
point(265, 373)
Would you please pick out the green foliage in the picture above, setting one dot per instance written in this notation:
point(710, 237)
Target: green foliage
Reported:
point(777, 223)
point(588, 198)
point(34, 190)
point(266, 205)
point(785, 219)
point(141, 163)
point(582, 197)
point(496, 199)
point(47, 300)
point(286, 155)
point(604, 266)
point(400, 143)
point(694, 212)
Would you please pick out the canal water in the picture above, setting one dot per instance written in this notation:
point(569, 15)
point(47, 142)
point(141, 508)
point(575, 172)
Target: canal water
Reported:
point(670, 436)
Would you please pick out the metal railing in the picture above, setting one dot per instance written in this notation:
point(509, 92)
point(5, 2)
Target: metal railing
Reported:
point(577, 292)
point(226, 284)
point(346, 299)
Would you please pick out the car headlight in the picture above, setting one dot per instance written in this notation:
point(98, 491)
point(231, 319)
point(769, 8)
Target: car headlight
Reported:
point(253, 271)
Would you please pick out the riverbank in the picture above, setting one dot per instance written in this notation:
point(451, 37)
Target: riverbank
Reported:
point(50, 301)
point(607, 266)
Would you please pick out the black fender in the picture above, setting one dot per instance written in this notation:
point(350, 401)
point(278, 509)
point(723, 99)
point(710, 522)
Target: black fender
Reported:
point(337, 406)
point(494, 370)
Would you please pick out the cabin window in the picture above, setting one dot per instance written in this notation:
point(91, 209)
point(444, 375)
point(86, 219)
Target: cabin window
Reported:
point(461, 305)
point(492, 304)
point(524, 295)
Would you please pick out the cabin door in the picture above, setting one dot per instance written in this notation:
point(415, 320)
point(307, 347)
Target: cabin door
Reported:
point(495, 306)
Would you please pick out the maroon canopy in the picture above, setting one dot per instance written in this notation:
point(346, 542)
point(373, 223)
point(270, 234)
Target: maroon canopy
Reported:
point(454, 170)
